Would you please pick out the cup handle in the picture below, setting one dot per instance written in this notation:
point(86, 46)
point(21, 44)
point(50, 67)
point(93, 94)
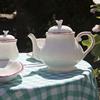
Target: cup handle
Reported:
point(89, 34)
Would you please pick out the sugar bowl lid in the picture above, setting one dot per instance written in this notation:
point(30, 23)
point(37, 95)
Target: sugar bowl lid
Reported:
point(59, 28)
point(6, 38)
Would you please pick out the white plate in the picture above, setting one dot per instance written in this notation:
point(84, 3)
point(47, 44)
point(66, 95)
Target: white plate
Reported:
point(9, 70)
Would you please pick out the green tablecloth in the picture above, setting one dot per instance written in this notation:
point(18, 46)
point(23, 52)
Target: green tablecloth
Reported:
point(35, 82)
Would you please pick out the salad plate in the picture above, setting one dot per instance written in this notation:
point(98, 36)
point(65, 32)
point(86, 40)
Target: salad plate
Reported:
point(9, 69)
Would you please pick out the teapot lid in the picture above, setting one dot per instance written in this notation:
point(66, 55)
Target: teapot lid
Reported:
point(59, 28)
point(6, 38)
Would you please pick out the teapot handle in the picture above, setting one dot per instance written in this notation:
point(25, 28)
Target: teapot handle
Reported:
point(89, 34)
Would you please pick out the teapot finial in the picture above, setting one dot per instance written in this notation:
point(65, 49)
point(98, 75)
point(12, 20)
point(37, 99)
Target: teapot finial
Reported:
point(5, 32)
point(59, 22)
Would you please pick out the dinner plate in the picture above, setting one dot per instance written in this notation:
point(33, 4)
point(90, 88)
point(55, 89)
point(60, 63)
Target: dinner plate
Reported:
point(9, 70)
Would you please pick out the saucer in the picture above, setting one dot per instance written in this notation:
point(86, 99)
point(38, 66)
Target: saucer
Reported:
point(9, 70)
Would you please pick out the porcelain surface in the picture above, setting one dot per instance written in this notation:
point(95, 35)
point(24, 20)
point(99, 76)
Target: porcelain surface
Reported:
point(61, 49)
point(8, 47)
point(9, 70)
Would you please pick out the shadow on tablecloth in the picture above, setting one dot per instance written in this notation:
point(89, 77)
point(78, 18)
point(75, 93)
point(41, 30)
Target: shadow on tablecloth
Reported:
point(14, 82)
point(45, 73)
point(32, 60)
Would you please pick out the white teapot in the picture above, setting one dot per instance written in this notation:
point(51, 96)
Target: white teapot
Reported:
point(8, 47)
point(61, 50)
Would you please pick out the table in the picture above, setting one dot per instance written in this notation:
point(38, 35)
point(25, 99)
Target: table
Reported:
point(35, 82)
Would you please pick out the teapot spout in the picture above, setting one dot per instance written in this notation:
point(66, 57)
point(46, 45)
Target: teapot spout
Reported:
point(35, 48)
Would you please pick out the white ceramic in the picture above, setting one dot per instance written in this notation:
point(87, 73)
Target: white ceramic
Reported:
point(9, 70)
point(8, 47)
point(61, 50)
point(96, 1)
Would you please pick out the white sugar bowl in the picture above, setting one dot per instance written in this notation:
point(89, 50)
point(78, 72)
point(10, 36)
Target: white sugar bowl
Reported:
point(8, 47)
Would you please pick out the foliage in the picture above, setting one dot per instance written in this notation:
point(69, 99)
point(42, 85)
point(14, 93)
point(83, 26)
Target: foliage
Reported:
point(96, 72)
point(96, 50)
